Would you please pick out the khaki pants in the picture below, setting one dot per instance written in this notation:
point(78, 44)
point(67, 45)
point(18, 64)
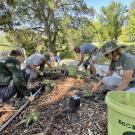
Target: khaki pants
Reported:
point(112, 82)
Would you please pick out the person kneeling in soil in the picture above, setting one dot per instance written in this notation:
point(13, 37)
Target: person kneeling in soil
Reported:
point(119, 60)
point(93, 52)
point(34, 61)
point(12, 79)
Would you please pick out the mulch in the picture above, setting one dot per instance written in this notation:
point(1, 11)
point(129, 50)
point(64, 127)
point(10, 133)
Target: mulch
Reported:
point(55, 117)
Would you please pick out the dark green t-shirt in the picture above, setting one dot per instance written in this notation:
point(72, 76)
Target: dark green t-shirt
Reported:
point(10, 70)
point(125, 62)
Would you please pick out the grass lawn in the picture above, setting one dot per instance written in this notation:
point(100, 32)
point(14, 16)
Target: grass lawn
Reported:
point(3, 41)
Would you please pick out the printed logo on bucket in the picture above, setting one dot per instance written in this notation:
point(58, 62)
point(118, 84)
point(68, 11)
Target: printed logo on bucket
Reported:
point(128, 125)
point(128, 133)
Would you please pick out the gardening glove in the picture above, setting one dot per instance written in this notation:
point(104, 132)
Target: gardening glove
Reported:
point(80, 68)
point(40, 73)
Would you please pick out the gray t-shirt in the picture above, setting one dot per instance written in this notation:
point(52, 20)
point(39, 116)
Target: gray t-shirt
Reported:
point(125, 62)
point(87, 48)
point(35, 59)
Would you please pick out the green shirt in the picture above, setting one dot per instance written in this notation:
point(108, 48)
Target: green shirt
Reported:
point(10, 70)
point(125, 62)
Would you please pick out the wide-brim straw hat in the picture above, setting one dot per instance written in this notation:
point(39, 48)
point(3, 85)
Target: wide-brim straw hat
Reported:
point(110, 47)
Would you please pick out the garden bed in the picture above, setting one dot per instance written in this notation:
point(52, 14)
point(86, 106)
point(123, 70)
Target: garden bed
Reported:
point(56, 118)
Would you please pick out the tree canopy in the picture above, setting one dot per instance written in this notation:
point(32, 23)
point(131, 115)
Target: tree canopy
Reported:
point(58, 25)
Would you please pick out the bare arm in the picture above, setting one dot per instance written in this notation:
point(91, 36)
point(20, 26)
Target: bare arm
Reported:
point(127, 76)
point(34, 67)
point(81, 61)
point(97, 87)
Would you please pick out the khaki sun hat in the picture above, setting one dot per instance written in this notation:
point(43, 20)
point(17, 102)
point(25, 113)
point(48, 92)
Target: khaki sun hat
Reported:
point(110, 47)
point(47, 56)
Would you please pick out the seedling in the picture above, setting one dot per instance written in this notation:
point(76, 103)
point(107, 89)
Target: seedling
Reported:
point(33, 116)
point(86, 92)
point(72, 70)
point(49, 86)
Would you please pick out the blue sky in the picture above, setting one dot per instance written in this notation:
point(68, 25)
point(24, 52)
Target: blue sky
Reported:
point(97, 4)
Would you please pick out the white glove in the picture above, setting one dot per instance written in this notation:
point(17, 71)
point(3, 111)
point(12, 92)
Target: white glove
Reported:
point(80, 68)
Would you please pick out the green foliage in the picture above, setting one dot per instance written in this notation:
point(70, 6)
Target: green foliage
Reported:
point(86, 73)
point(86, 92)
point(7, 19)
point(67, 54)
point(72, 70)
point(48, 18)
point(33, 116)
point(49, 86)
point(131, 21)
point(101, 33)
point(26, 39)
point(112, 19)
point(64, 67)
point(124, 35)
point(88, 32)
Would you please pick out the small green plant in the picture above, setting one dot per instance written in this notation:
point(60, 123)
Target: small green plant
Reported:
point(72, 70)
point(79, 76)
point(64, 67)
point(45, 82)
point(33, 116)
point(87, 93)
point(86, 73)
point(48, 85)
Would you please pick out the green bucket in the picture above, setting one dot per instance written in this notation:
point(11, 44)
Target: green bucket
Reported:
point(121, 113)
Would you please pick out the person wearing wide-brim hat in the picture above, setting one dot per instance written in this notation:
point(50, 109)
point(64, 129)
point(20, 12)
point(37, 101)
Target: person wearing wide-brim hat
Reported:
point(110, 47)
point(118, 60)
point(37, 60)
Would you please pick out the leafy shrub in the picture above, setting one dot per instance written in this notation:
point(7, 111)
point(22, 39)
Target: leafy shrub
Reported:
point(68, 54)
point(72, 70)
point(33, 116)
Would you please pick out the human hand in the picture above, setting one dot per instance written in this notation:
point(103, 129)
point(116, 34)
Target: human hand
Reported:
point(95, 89)
point(80, 68)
